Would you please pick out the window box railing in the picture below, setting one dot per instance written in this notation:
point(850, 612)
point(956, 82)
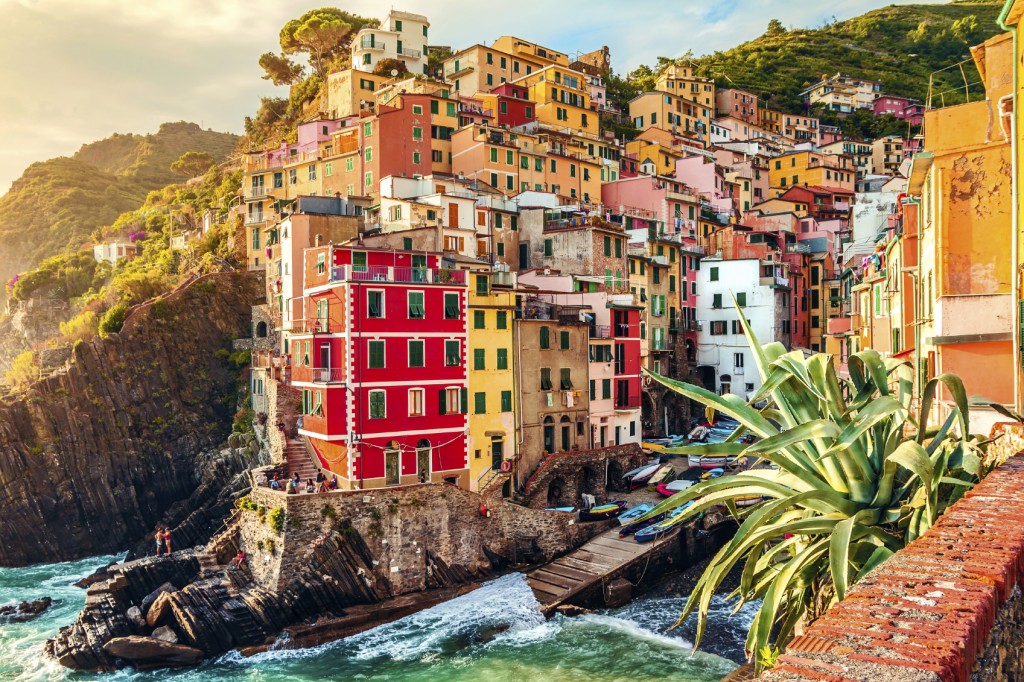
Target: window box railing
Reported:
point(627, 402)
point(374, 273)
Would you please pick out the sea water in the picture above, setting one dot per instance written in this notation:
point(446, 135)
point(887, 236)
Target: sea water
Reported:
point(494, 633)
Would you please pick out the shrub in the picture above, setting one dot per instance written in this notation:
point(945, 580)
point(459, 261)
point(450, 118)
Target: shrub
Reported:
point(113, 319)
point(24, 370)
point(161, 309)
point(82, 327)
point(277, 517)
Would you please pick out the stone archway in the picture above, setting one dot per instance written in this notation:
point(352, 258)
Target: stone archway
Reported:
point(590, 481)
point(261, 330)
point(615, 473)
point(557, 492)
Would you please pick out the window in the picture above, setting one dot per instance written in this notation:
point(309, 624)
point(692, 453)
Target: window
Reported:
point(480, 403)
point(375, 304)
point(618, 249)
point(671, 283)
point(503, 358)
point(563, 340)
point(416, 158)
point(433, 106)
point(407, 243)
point(718, 328)
point(417, 134)
point(376, 353)
point(713, 274)
point(545, 338)
point(328, 169)
point(741, 299)
point(566, 379)
point(415, 402)
point(368, 154)
point(417, 109)
point(716, 301)
point(452, 353)
point(593, 390)
point(452, 400)
point(502, 320)
point(450, 108)
point(377, 405)
point(607, 246)
point(506, 401)
point(548, 248)
point(451, 306)
point(350, 164)
point(479, 358)
point(293, 177)
point(416, 353)
point(736, 329)
point(606, 389)
point(479, 319)
point(501, 248)
point(415, 300)
point(545, 378)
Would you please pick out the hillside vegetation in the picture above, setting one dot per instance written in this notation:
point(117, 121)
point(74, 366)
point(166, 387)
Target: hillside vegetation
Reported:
point(901, 46)
point(59, 204)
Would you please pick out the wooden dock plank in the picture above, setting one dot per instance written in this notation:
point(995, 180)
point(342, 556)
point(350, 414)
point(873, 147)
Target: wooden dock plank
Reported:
point(567, 571)
point(554, 579)
point(542, 588)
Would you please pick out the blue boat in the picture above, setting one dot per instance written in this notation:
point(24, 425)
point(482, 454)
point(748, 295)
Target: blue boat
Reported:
point(635, 513)
point(658, 529)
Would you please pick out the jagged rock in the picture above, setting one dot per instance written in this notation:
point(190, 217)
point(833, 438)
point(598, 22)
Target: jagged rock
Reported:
point(134, 616)
point(159, 610)
point(97, 576)
point(114, 440)
point(166, 634)
point(152, 596)
point(26, 610)
point(152, 652)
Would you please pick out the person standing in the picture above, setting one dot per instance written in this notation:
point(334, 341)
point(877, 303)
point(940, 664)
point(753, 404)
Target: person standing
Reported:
point(167, 541)
point(159, 541)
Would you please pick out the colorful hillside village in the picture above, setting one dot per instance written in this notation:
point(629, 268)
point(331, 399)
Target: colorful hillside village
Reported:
point(468, 269)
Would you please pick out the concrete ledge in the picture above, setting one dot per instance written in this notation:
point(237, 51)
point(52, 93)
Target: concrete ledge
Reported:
point(945, 607)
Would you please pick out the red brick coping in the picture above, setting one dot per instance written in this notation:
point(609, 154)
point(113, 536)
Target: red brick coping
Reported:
point(926, 613)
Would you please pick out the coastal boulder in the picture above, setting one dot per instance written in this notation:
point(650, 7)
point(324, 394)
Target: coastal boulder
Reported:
point(166, 634)
point(159, 610)
point(134, 616)
point(26, 610)
point(148, 600)
point(147, 652)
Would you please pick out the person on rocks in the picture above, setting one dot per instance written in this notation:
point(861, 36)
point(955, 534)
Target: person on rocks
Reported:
point(310, 488)
point(290, 487)
point(334, 483)
point(159, 541)
point(239, 559)
point(167, 541)
point(276, 483)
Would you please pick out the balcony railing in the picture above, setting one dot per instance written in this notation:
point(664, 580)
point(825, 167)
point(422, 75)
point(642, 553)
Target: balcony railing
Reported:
point(367, 44)
point(600, 331)
point(627, 402)
point(318, 375)
point(374, 273)
point(314, 423)
point(415, 54)
point(256, 193)
point(316, 325)
point(254, 219)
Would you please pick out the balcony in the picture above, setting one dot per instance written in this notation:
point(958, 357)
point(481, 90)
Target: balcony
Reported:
point(315, 325)
point(348, 273)
point(254, 219)
point(318, 375)
point(600, 331)
point(503, 279)
point(314, 424)
point(627, 402)
point(257, 193)
point(369, 43)
point(414, 54)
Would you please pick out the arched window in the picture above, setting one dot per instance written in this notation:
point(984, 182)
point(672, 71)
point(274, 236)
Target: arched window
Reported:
point(261, 330)
point(549, 434)
point(423, 460)
point(566, 424)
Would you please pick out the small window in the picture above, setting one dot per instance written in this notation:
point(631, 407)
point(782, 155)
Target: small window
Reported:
point(479, 319)
point(451, 306)
point(416, 353)
point(545, 378)
point(416, 310)
point(545, 338)
point(741, 299)
point(503, 358)
point(506, 401)
point(452, 354)
point(417, 108)
point(375, 304)
point(416, 402)
point(502, 320)
point(566, 379)
point(479, 358)
point(377, 405)
point(563, 340)
point(713, 274)
point(480, 403)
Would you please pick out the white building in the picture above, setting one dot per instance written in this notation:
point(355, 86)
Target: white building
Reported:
point(402, 36)
point(114, 252)
point(763, 294)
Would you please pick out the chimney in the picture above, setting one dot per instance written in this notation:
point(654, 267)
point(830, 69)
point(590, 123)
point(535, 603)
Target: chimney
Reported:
point(319, 240)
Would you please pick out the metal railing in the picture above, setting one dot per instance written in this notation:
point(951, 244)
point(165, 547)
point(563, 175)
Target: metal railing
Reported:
point(600, 331)
point(318, 375)
point(415, 54)
point(627, 402)
point(315, 325)
point(376, 273)
point(367, 43)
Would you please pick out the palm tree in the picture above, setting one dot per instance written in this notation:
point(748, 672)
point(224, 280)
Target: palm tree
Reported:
point(846, 474)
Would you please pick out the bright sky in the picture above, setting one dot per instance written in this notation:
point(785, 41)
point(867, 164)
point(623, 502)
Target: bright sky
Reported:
point(75, 71)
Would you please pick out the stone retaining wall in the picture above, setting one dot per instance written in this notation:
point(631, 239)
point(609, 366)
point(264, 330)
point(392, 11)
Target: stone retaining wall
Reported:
point(947, 607)
point(562, 477)
point(402, 526)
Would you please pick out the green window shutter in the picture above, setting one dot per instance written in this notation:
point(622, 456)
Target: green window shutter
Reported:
point(503, 358)
point(502, 320)
point(563, 340)
point(607, 246)
point(464, 400)
point(565, 379)
point(478, 319)
point(548, 248)
point(451, 306)
point(442, 401)
point(618, 248)
point(494, 155)
point(451, 354)
point(480, 403)
point(716, 301)
point(416, 354)
point(606, 389)
point(433, 106)
point(482, 285)
point(515, 222)
point(593, 390)
point(407, 243)
point(741, 299)
point(714, 275)
point(506, 401)
point(545, 378)
point(376, 353)
point(479, 358)
point(545, 338)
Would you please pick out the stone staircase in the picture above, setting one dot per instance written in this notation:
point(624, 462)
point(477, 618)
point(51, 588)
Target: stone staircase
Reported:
point(297, 459)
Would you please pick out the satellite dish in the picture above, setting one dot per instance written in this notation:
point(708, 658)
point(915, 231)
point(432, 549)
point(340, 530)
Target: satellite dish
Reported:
point(394, 72)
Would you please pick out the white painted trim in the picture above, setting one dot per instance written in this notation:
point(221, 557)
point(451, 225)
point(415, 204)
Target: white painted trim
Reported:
point(460, 383)
point(322, 436)
point(389, 434)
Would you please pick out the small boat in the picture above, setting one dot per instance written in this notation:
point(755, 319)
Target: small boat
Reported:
point(672, 487)
point(748, 500)
point(603, 512)
point(710, 461)
point(713, 473)
point(635, 513)
point(637, 478)
point(658, 529)
point(561, 509)
point(660, 475)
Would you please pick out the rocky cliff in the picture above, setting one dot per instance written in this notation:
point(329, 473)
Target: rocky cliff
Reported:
point(91, 458)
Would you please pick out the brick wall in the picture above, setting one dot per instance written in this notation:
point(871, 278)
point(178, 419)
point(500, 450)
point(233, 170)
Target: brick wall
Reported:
point(400, 525)
point(947, 607)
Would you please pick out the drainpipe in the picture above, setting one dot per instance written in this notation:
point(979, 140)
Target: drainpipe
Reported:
point(1015, 201)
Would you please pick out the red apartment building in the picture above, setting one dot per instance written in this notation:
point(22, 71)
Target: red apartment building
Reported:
point(513, 105)
point(626, 336)
point(380, 360)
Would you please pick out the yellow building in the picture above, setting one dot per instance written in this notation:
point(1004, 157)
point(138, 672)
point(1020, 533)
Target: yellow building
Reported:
point(479, 69)
point(562, 98)
point(669, 112)
point(532, 51)
point(663, 157)
point(492, 401)
point(680, 80)
point(348, 91)
point(962, 181)
point(811, 168)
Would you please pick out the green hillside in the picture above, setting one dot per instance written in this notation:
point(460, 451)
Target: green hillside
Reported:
point(901, 46)
point(57, 204)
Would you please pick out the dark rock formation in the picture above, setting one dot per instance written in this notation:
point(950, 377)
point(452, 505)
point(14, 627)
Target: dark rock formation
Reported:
point(150, 652)
point(93, 457)
point(26, 610)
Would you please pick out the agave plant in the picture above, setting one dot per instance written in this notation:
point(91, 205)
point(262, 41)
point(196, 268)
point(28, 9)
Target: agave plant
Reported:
point(846, 474)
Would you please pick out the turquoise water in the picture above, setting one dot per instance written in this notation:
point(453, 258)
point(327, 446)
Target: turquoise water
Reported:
point(464, 639)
